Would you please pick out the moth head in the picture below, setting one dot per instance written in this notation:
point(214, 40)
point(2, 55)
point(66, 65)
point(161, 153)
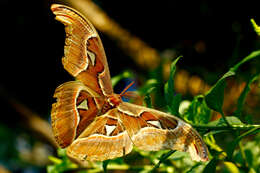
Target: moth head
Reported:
point(115, 99)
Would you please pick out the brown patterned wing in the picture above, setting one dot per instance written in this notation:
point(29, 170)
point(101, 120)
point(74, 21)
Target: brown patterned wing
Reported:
point(154, 130)
point(103, 139)
point(84, 55)
point(76, 107)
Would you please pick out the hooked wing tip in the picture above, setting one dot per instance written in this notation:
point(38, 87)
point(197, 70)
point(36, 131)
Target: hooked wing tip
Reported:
point(198, 150)
point(54, 7)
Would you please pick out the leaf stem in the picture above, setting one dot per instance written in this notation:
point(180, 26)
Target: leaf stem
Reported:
point(224, 118)
point(233, 127)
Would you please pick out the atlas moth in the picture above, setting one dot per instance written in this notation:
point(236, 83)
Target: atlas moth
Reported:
point(93, 122)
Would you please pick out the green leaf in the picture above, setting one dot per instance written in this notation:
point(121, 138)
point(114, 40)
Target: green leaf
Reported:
point(147, 97)
point(151, 83)
point(54, 159)
point(232, 120)
point(242, 97)
point(148, 101)
point(231, 147)
point(162, 159)
point(198, 112)
point(192, 169)
point(61, 152)
point(249, 157)
point(211, 166)
point(173, 100)
point(61, 164)
point(251, 170)
point(256, 27)
point(215, 96)
point(231, 167)
point(174, 107)
point(252, 152)
point(105, 163)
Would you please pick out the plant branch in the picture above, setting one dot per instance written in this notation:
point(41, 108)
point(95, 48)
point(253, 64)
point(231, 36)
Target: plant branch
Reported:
point(233, 127)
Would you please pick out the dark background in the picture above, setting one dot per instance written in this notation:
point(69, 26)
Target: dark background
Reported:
point(32, 43)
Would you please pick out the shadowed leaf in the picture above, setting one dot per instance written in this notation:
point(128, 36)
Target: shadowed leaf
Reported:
point(151, 83)
point(211, 166)
point(162, 159)
point(242, 97)
point(105, 163)
point(147, 97)
point(173, 100)
point(198, 112)
point(215, 96)
point(232, 146)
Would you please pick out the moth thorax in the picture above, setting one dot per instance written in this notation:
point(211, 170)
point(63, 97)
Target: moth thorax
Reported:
point(114, 99)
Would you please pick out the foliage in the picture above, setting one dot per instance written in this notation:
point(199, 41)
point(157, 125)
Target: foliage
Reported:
point(237, 157)
point(172, 99)
point(233, 154)
point(256, 27)
point(61, 165)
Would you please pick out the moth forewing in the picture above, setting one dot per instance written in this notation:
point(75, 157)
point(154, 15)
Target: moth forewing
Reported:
point(84, 55)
